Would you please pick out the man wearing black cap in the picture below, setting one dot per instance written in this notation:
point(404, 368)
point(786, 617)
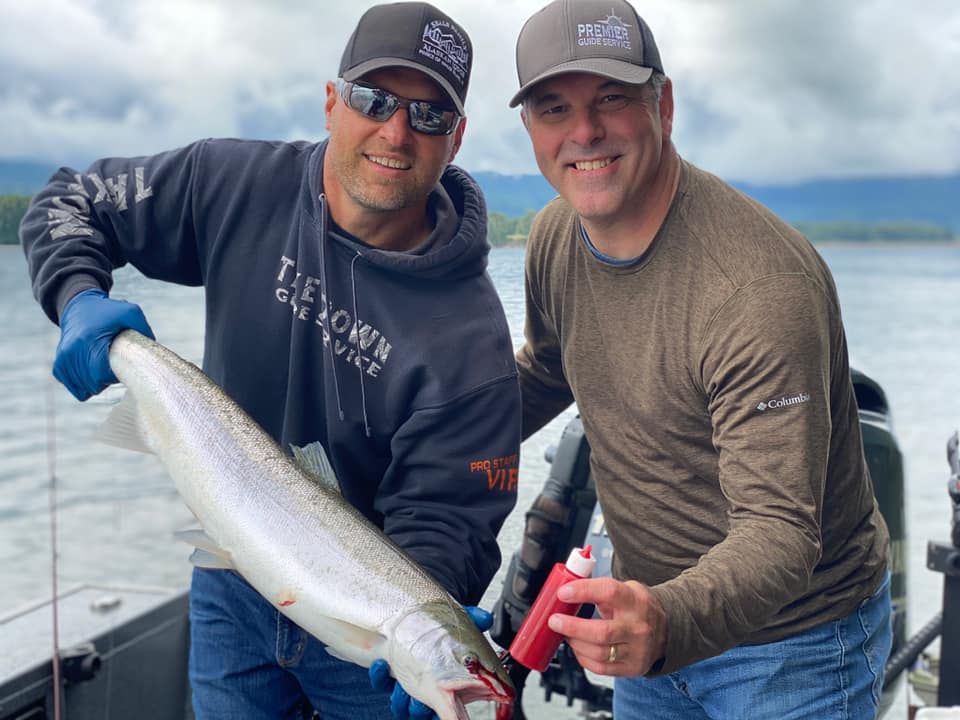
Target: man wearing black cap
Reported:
point(700, 337)
point(347, 302)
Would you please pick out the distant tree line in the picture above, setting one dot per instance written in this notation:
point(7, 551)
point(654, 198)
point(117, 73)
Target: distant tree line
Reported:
point(503, 231)
point(506, 231)
point(875, 232)
point(12, 209)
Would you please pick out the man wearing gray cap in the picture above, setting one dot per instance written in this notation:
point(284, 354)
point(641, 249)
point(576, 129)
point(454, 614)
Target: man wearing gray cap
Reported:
point(347, 302)
point(700, 337)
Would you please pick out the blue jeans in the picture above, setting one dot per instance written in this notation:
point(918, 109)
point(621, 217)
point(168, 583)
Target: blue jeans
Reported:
point(249, 661)
point(831, 672)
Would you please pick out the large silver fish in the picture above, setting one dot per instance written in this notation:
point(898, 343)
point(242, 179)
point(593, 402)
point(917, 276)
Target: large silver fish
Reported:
point(286, 529)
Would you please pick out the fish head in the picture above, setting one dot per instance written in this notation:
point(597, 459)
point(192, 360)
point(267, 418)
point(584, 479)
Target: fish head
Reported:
point(443, 660)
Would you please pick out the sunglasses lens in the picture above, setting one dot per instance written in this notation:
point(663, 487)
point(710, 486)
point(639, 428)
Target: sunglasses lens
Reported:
point(431, 119)
point(424, 116)
point(375, 104)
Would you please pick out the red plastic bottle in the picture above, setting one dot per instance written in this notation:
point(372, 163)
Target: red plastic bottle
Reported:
point(535, 642)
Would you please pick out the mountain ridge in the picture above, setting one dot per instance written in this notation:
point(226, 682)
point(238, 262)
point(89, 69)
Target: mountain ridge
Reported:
point(922, 199)
point(895, 199)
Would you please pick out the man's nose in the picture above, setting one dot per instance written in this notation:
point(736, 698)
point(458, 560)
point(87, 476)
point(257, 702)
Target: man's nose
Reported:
point(396, 129)
point(587, 126)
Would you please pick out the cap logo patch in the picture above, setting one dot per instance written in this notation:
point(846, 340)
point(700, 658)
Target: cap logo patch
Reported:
point(444, 45)
point(609, 32)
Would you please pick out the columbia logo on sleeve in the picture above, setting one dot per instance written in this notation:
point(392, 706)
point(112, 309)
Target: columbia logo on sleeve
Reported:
point(783, 402)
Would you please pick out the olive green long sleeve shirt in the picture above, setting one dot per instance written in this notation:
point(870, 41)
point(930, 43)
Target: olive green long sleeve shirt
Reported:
point(713, 382)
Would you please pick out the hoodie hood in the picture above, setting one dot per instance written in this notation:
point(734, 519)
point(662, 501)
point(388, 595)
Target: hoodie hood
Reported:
point(462, 255)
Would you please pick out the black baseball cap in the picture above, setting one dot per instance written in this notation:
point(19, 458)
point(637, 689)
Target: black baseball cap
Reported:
point(414, 35)
point(600, 37)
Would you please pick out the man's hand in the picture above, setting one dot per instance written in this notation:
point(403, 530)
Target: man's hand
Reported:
point(402, 705)
point(631, 634)
point(88, 325)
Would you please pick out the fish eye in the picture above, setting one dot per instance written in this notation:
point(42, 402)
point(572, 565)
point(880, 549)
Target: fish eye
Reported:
point(470, 661)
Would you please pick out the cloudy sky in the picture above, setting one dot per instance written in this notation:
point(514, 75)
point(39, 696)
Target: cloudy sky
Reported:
point(766, 90)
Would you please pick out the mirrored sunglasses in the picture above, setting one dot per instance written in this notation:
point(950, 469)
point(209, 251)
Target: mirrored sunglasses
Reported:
point(424, 116)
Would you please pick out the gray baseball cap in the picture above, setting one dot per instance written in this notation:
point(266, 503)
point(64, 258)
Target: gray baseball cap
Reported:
point(600, 37)
point(414, 35)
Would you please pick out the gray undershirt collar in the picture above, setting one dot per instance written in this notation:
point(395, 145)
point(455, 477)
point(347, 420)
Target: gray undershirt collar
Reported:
point(599, 255)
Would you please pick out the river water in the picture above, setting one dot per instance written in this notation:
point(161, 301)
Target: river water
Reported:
point(116, 510)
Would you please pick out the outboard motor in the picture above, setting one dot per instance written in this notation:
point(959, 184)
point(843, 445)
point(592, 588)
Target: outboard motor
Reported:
point(566, 514)
point(886, 470)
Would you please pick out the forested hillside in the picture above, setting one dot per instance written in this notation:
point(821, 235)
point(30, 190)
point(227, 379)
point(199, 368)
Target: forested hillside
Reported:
point(852, 210)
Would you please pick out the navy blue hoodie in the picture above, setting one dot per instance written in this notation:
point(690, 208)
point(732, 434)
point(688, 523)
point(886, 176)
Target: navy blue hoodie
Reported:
point(401, 364)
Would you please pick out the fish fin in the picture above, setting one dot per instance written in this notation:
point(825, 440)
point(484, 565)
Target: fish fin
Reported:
point(338, 655)
point(198, 538)
point(206, 559)
point(123, 429)
point(206, 551)
point(353, 643)
point(312, 459)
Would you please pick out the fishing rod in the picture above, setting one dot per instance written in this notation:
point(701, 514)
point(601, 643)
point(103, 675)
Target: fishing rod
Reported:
point(953, 487)
point(52, 495)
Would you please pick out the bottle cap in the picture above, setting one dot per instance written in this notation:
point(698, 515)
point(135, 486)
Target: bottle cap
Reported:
point(581, 562)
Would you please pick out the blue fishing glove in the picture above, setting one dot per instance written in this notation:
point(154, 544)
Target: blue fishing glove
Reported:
point(88, 325)
point(402, 705)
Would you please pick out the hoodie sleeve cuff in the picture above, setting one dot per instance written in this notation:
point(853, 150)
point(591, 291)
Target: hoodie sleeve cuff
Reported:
point(70, 287)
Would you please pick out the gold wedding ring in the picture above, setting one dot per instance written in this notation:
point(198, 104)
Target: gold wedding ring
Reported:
point(612, 655)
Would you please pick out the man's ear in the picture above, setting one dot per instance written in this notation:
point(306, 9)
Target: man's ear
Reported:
point(331, 101)
point(457, 139)
point(666, 109)
point(523, 118)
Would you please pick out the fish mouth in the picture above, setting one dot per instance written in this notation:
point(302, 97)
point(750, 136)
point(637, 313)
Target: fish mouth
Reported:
point(485, 687)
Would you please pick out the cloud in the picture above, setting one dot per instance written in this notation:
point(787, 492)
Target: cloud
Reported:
point(764, 91)
point(779, 92)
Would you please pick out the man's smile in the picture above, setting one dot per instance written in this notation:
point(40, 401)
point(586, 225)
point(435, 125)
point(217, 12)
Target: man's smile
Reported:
point(393, 163)
point(597, 164)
